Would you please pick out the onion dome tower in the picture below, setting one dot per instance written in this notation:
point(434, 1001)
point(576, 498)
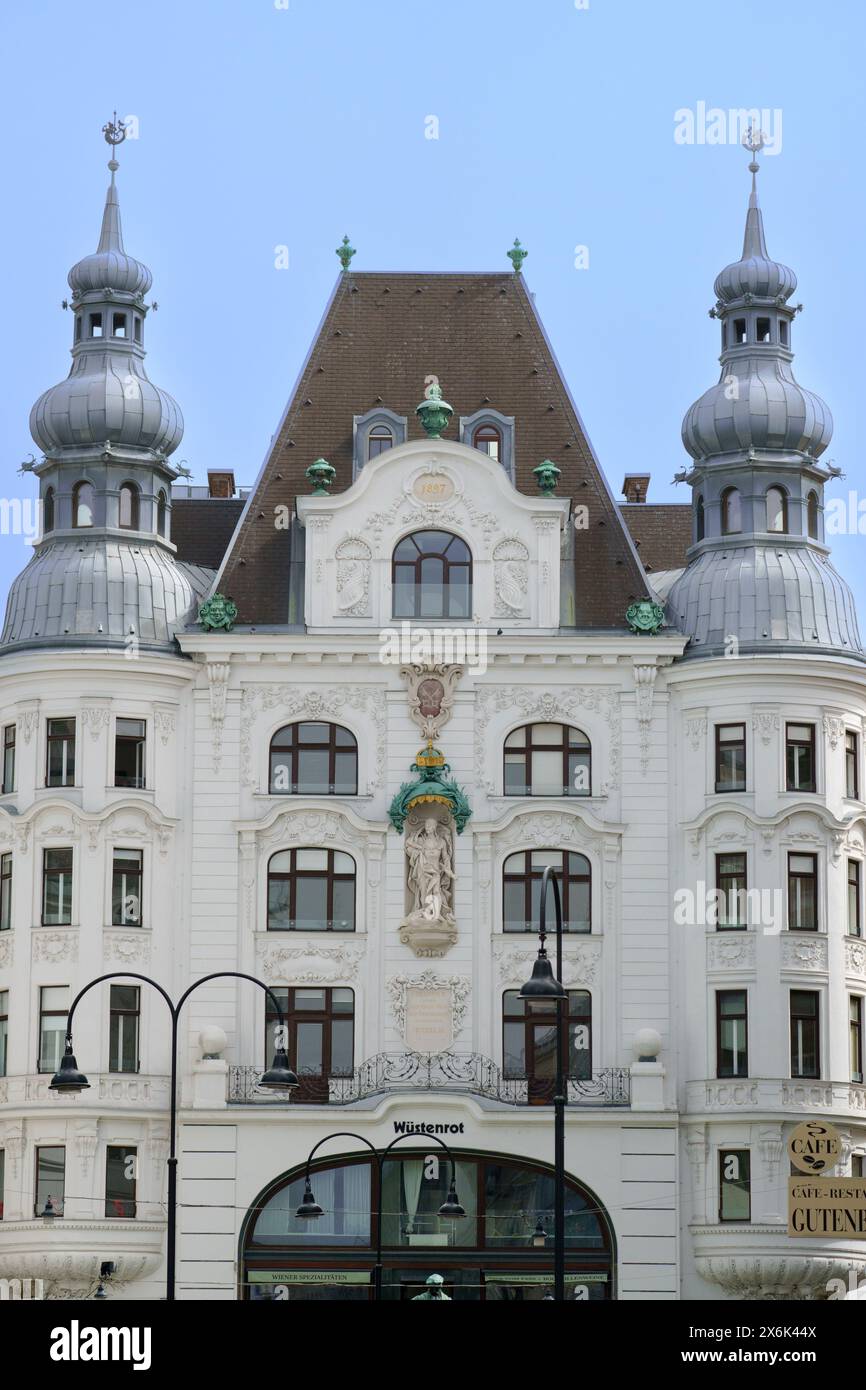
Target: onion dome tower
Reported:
point(104, 572)
point(758, 567)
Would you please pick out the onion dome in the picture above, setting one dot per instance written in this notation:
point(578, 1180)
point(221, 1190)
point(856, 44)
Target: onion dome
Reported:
point(755, 273)
point(109, 267)
point(757, 405)
point(106, 397)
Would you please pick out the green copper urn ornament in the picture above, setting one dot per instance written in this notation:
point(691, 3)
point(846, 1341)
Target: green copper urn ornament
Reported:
point(547, 476)
point(345, 253)
point(645, 617)
point(218, 613)
point(433, 412)
point(517, 256)
point(321, 474)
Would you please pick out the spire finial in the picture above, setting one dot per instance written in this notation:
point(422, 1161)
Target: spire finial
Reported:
point(754, 140)
point(517, 256)
point(115, 134)
point(345, 253)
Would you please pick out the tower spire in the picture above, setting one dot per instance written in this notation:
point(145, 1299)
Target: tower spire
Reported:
point(754, 243)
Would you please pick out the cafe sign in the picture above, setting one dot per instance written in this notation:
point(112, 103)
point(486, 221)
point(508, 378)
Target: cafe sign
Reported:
point(821, 1206)
point(814, 1146)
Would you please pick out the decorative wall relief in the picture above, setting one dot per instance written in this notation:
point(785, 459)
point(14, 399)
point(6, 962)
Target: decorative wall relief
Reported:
point(6, 949)
point(431, 692)
point(696, 730)
point(218, 673)
point(398, 987)
point(799, 954)
point(429, 926)
point(299, 965)
point(510, 577)
point(731, 951)
point(354, 561)
point(855, 958)
point(126, 948)
point(581, 962)
point(310, 702)
point(766, 723)
point(644, 688)
point(96, 718)
point(55, 945)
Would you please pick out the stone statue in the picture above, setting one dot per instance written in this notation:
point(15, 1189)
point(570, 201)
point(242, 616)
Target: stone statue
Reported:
point(430, 872)
point(434, 1290)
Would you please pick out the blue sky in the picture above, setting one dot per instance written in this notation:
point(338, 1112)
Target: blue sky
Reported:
point(265, 124)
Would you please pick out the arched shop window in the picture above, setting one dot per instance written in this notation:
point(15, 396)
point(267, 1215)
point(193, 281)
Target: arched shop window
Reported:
point(501, 1251)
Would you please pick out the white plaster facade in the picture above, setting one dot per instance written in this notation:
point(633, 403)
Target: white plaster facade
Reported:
point(208, 825)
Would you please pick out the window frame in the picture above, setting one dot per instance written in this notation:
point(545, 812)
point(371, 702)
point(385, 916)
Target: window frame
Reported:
point(784, 528)
point(725, 511)
point(855, 1038)
point(855, 882)
point(6, 891)
point(117, 1031)
point(123, 739)
point(792, 762)
point(62, 873)
point(133, 876)
point(295, 747)
point(129, 490)
point(565, 746)
point(329, 874)
point(9, 758)
point(4, 1031)
point(743, 1183)
point(736, 1049)
point(313, 1085)
point(128, 1151)
point(795, 877)
point(532, 873)
point(722, 879)
point(80, 486)
point(446, 588)
point(39, 1203)
point(730, 744)
point(795, 1030)
point(852, 765)
point(44, 1013)
point(65, 741)
point(535, 1016)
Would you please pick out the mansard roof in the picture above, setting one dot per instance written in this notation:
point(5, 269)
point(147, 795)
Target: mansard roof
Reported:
point(381, 336)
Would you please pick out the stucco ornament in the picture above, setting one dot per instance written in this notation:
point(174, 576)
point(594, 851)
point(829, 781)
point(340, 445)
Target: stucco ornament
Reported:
point(431, 691)
point(354, 558)
point(645, 617)
point(218, 613)
point(432, 784)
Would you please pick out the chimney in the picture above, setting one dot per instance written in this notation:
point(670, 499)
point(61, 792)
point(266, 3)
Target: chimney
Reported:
point(220, 483)
point(635, 487)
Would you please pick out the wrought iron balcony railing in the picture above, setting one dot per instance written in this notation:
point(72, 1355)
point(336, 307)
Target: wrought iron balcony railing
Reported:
point(456, 1072)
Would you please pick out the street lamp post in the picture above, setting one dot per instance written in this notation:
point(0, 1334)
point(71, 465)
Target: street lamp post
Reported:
point(310, 1208)
point(545, 987)
point(278, 1077)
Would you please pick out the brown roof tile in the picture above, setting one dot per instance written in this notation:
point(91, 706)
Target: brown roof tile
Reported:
point(662, 532)
point(201, 528)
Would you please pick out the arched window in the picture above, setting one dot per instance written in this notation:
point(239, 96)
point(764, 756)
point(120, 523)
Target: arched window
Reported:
point(161, 505)
point(314, 760)
point(700, 521)
point(432, 576)
point(379, 439)
point(82, 504)
point(127, 512)
point(48, 510)
point(812, 515)
point(488, 439)
point(547, 760)
point(529, 1040)
point(777, 510)
point(732, 512)
point(311, 890)
point(521, 889)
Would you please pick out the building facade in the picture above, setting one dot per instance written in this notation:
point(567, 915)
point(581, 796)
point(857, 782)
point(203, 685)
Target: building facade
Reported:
point(328, 734)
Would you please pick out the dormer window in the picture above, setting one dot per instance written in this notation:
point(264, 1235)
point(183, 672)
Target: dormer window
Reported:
point(96, 325)
point(374, 434)
point(763, 330)
point(812, 515)
point(491, 433)
point(777, 510)
point(739, 330)
point(48, 510)
point(732, 512)
point(127, 511)
point(379, 439)
point(82, 504)
point(118, 325)
point(489, 441)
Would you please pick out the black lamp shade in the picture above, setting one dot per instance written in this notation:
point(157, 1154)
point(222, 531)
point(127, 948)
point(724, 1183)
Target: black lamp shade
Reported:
point(309, 1206)
point(48, 1212)
point(69, 1078)
point(451, 1206)
point(543, 984)
point(279, 1075)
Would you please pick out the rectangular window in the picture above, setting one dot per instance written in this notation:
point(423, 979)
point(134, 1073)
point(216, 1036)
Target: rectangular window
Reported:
point(852, 766)
point(50, 1179)
point(802, 892)
point(8, 758)
point(4, 1030)
point(783, 333)
point(53, 1010)
point(854, 878)
point(731, 884)
point(60, 763)
point(855, 1033)
point(735, 1198)
point(129, 749)
point(120, 1175)
point(126, 888)
point(856, 1165)
point(805, 1046)
point(800, 757)
point(732, 1050)
point(118, 325)
point(123, 1026)
point(730, 757)
point(320, 1032)
point(56, 887)
point(5, 892)
point(96, 325)
point(739, 330)
point(137, 328)
point(762, 330)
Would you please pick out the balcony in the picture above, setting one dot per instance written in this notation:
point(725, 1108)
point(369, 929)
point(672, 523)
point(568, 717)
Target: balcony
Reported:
point(457, 1073)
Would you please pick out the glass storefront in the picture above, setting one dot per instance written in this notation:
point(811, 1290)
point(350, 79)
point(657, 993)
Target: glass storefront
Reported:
point(501, 1250)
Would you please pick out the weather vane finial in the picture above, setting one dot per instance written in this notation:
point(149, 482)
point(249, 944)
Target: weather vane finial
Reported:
point(754, 140)
point(115, 134)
